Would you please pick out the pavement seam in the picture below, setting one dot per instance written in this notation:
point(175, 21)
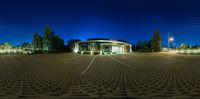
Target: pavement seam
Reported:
point(5, 61)
point(89, 65)
point(70, 58)
point(118, 61)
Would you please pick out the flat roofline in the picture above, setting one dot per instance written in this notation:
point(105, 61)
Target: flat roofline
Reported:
point(89, 39)
point(104, 41)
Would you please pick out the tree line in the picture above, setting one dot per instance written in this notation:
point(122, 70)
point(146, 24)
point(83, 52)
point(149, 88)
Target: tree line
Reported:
point(49, 42)
point(153, 45)
point(185, 46)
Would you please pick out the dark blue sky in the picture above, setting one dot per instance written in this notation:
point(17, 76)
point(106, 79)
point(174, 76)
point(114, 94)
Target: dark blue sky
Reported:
point(131, 20)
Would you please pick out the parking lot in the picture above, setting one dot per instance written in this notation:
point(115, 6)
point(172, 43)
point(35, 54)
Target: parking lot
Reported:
point(68, 75)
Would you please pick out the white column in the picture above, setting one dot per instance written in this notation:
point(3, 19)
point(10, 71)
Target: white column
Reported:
point(130, 48)
point(76, 48)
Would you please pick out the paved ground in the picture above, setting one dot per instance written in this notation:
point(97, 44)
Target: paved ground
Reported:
point(69, 75)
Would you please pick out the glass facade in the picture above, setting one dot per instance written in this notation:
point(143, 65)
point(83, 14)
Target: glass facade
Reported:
point(105, 46)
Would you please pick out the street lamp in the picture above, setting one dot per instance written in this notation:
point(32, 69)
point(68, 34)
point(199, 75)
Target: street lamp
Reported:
point(170, 39)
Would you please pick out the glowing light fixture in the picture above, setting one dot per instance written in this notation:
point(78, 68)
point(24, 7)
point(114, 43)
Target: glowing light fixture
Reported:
point(171, 39)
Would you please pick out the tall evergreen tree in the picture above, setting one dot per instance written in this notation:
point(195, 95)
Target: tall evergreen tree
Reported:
point(58, 43)
point(47, 41)
point(155, 42)
point(40, 43)
point(35, 41)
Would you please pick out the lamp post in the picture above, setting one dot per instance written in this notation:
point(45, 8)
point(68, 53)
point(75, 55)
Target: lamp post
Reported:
point(170, 39)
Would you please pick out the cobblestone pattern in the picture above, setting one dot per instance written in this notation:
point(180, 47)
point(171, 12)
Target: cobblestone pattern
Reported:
point(147, 76)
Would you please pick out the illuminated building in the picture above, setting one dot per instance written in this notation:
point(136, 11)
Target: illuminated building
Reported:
point(102, 46)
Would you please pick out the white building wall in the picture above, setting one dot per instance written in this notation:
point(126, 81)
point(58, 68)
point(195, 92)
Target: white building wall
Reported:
point(130, 48)
point(76, 48)
point(117, 49)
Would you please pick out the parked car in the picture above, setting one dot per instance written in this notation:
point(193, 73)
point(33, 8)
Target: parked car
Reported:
point(27, 51)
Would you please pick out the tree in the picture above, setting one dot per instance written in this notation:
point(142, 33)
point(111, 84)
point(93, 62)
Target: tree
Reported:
point(71, 43)
point(35, 41)
point(25, 45)
point(40, 45)
point(138, 45)
point(58, 43)
point(155, 42)
point(134, 47)
point(7, 45)
point(183, 46)
point(195, 46)
point(142, 46)
point(47, 41)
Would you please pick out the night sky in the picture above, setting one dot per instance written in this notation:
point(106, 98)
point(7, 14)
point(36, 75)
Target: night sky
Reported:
point(130, 20)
